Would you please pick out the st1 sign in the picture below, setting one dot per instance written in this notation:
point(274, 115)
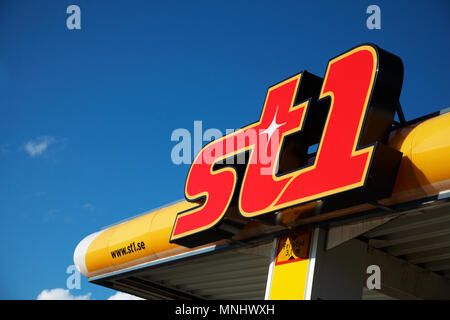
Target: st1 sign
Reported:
point(268, 166)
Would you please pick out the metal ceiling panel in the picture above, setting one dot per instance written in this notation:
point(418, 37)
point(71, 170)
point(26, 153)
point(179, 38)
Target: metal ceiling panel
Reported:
point(421, 237)
point(239, 273)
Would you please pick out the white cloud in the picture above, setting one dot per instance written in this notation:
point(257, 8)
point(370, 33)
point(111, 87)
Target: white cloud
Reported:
point(123, 296)
point(64, 294)
point(61, 294)
point(38, 146)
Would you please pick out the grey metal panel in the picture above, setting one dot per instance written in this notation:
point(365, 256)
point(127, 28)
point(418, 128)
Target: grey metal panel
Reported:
point(418, 233)
point(441, 265)
point(374, 295)
point(420, 246)
point(235, 274)
point(421, 237)
point(429, 256)
point(410, 221)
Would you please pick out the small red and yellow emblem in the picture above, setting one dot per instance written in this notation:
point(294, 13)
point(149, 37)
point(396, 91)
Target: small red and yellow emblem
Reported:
point(294, 247)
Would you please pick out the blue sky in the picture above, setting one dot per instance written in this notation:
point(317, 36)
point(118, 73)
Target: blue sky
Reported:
point(86, 115)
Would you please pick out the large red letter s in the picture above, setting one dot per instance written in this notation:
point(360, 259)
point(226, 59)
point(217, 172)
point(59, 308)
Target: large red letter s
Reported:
point(214, 186)
point(214, 189)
